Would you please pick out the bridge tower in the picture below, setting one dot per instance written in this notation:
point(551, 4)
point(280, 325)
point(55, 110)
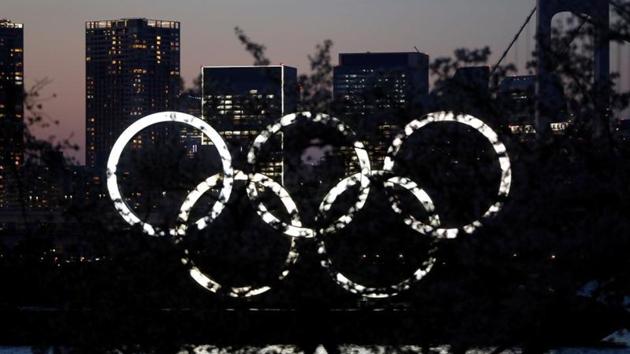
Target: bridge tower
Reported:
point(598, 13)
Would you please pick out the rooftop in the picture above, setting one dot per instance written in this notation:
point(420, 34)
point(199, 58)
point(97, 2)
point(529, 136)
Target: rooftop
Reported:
point(124, 22)
point(4, 23)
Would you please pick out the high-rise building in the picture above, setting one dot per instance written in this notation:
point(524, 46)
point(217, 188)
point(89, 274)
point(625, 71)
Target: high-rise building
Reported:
point(11, 104)
point(191, 138)
point(240, 101)
point(379, 93)
point(467, 91)
point(132, 70)
point(517, 99)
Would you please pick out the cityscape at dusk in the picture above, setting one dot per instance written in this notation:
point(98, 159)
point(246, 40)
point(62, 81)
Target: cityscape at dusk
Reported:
point(56, 42)
point(280, 176)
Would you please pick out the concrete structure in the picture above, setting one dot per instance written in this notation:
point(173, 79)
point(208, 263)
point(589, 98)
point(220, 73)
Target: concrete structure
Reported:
point(598, 13)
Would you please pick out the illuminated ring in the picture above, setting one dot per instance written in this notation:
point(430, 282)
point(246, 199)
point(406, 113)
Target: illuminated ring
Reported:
point(497, 145)
point(296, 230)
point(350, 285)
point(422, 196)
point(203, 279)
point(112, 164)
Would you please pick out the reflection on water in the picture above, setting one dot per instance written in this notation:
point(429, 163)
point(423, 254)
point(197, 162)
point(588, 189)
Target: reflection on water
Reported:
point(290, 349)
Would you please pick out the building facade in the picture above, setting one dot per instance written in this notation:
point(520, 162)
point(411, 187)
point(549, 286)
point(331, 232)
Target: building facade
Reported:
point(241, 101)
point(132, 70)
point(379, 93)
point(517, 99)
point(191, 138)
point(11, 105)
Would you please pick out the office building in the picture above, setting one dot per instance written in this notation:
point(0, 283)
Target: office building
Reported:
point(517, 99)
point(191, 138)
point(240, 101)
point(11, 106)
point(378, 93)
point(132, 70)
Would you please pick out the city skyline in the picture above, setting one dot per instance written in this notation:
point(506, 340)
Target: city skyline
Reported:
point(320, 174)
point(54, 44)
point(204, 30)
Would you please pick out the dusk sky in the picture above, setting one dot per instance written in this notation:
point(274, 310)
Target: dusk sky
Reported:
point(55, 35)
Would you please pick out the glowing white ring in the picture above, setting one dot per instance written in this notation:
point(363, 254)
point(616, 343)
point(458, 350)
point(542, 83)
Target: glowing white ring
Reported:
point(203, 279)
point(344, 281)
point(293, 229)
point(422, 196)
point(112, 164)
point(497, 145)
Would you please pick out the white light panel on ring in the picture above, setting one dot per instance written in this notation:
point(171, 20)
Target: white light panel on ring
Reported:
point(499, 148)
point(351, 285)
point(205, 280)
point(164, 117)
point(294, 228)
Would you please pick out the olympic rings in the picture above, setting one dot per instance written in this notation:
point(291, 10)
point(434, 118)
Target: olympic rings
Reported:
point(114, 157)
point(206, 281)
point(341, 279)
point(499, 149)
point(294, 228)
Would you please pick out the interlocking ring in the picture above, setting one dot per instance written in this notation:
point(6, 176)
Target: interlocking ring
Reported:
point(293, 229)
point(112, 165)
point(353, 286)
point(205, 280)
point(499, 149)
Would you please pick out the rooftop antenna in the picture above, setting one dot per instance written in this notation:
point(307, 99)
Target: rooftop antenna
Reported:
point(416, 48)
